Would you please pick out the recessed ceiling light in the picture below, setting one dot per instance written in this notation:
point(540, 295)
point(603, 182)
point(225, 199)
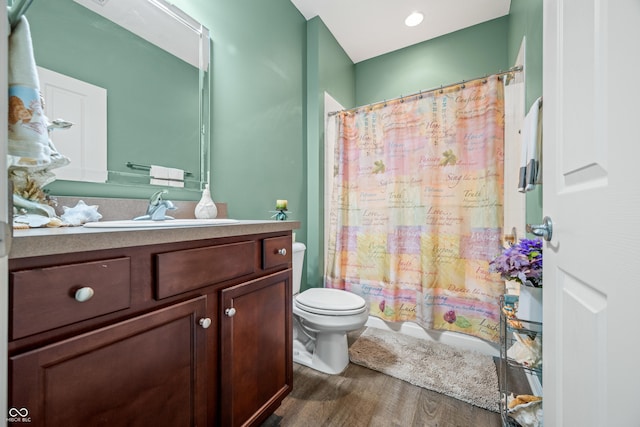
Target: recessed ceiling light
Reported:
point(414, 19)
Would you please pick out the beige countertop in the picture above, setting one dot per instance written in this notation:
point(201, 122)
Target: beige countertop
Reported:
point(51, 241)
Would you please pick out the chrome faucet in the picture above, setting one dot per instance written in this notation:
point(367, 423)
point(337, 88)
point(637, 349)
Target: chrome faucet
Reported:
point(158, 207)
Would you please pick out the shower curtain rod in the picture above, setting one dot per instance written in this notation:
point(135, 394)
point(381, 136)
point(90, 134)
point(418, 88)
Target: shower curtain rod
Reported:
point(17, 10)
point(424, 92)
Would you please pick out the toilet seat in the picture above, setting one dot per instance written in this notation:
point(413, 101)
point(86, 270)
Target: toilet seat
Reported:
point(332, 302)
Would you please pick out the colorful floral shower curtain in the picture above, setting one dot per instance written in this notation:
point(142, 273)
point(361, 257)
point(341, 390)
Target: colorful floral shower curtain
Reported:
point(416, 207)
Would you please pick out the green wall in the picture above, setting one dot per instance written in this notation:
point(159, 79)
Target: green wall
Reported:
point(258, 120)
point(330, 70)
point(463, 55)
point(270, 69)
point(525, 20)
point(466, 54)
point(257, 139)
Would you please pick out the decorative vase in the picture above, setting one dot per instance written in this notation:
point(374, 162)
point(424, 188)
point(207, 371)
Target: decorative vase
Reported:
point(206, 208)
point(530, 303)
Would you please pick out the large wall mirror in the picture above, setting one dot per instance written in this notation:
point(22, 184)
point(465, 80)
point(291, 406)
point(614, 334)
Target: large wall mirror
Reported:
point(151, 62)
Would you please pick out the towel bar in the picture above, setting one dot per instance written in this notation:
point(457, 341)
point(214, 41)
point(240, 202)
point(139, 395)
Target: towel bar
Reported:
point(147, 167)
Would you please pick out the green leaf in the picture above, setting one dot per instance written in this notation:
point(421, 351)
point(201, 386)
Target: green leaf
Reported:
point(379, 166)
point(463, 323)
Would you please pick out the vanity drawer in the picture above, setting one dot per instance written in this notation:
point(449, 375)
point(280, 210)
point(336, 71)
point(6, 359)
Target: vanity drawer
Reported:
point(186, 270)
point(276, 251)
point(47, 298)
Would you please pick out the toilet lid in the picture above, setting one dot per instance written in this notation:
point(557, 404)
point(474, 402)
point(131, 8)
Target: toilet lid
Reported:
point(328, 301)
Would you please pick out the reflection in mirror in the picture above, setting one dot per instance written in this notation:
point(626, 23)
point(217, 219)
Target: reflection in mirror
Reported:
point(156, 85)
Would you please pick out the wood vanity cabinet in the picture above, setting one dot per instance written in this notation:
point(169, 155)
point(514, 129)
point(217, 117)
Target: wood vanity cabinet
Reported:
point(256, 369)
point(146, 371)
point(189, 333)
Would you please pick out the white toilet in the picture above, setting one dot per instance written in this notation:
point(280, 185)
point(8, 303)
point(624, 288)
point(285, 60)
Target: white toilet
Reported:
point(321, 319)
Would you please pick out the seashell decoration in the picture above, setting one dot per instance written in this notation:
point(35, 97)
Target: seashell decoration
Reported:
point(80, 214)
point(34, 221)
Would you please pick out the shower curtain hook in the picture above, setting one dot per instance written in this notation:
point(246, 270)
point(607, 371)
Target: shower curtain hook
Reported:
point(401, 98)
point(420, 95)
point(441, 89)
point(463, 85)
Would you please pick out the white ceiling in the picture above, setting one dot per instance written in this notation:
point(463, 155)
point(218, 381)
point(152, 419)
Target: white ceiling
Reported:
point(369, 28)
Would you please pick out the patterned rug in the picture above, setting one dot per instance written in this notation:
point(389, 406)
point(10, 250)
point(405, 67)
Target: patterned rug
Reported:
point(462, 374)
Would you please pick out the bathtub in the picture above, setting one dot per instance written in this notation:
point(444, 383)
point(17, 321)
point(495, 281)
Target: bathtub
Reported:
point(466, 342)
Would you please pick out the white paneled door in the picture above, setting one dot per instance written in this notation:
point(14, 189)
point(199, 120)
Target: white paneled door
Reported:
point(592, 193)
point(84, 143)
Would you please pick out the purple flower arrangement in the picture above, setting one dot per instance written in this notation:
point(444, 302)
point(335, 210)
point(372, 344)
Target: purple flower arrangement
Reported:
point(521, 262)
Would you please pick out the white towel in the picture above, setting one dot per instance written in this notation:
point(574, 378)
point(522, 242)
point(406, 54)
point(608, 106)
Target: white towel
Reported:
point(170, 177)
point(176, 177)
point(530, 162)
point(29, 147)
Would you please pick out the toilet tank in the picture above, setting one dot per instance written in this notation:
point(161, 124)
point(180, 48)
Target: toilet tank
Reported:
point(298, 260)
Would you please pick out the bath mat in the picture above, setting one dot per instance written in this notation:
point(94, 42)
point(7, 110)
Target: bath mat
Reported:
point(462, 374)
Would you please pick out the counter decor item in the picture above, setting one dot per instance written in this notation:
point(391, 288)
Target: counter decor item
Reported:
point(530, 303)
point(280, 214)
point(206, 208)
point(522, 263)
point(80, 214)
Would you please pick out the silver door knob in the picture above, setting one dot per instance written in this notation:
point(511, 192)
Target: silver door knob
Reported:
point(282, 251)
point(83, 294)
point(205, 322)
point(230, 312)
point(545, 230)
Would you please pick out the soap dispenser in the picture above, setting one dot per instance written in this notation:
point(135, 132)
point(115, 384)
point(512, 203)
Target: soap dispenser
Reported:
point(206, 208)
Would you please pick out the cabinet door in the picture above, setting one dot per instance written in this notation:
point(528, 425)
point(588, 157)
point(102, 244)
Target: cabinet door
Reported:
point(145, 371)
point(256, 353)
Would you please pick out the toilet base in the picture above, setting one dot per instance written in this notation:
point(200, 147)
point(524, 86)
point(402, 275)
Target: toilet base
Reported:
point(329, 354)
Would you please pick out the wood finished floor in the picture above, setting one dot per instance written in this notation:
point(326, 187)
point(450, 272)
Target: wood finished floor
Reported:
point(361, 397)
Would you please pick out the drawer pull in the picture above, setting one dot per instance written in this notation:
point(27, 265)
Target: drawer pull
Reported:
point(205, 322)
point(282, 251)
point(230, 312)
point(84, 294)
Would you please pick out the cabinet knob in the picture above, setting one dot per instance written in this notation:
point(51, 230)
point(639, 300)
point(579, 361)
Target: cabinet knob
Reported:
point(230, 312)
point(205, 322)
point(83, 294)
point(282, 251)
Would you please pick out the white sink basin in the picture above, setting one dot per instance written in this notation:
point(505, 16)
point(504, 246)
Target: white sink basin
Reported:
point(129, 223)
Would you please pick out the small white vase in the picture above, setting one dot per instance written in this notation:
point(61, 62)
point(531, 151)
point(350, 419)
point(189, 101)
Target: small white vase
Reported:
point(530, 304)
point(206, 208)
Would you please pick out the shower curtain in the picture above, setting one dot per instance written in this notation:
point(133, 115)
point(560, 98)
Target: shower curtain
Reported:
point(416, 207)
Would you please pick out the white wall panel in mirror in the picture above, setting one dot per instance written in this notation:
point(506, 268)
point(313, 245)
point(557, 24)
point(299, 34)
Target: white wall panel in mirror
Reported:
point(85, 142)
